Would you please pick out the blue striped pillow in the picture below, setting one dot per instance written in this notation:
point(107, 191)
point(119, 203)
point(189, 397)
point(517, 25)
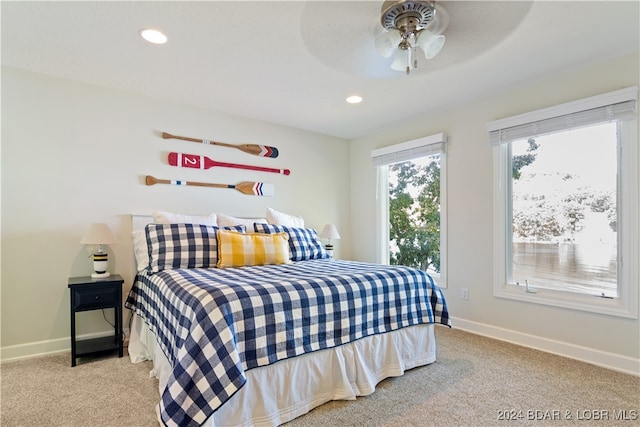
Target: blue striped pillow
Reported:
point(304, 243)
point(173, 246)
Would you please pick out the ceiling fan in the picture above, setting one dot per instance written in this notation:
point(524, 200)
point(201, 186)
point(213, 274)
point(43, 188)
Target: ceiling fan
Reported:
point(409, 26)
point(351, 36)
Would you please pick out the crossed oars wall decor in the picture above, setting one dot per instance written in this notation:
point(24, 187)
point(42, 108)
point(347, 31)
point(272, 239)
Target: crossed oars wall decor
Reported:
point(203, 162)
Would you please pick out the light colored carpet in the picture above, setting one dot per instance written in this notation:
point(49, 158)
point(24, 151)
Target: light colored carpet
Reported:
point(473, 383)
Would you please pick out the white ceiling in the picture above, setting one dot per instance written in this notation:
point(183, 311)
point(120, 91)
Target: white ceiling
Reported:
point(295, 62)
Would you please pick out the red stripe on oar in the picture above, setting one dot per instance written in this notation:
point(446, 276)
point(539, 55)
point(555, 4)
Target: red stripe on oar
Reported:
point(267, 151)
point(263, 189)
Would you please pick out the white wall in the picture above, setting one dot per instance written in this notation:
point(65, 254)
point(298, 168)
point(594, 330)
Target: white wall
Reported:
point(64, 142)
point(597, 338)
point(73, 154)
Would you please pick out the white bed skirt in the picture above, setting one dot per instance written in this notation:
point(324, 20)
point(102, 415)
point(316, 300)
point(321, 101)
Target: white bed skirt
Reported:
point(285, 390)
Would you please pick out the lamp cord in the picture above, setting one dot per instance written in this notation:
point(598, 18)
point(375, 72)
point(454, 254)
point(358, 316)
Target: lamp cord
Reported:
point(106, 320)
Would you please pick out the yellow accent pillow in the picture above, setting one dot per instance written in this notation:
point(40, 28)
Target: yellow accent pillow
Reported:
point(237, 249)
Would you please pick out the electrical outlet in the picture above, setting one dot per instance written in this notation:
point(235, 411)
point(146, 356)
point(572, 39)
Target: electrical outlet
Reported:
point(464, 294)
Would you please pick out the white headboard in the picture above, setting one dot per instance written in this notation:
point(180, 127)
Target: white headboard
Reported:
point(138, 221)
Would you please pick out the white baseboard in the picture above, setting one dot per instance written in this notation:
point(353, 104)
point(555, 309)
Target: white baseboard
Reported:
point(48, 347)
point(616, 362)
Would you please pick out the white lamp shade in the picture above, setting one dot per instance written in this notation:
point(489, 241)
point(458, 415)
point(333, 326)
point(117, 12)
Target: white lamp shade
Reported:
point(330, 232)
point(401, 60)
point(431, 44)
point(99, 234)
point(386, 42)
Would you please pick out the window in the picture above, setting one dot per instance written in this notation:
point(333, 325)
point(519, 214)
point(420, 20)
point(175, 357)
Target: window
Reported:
point(564, 211)
point(412, 205)
point(566, 205)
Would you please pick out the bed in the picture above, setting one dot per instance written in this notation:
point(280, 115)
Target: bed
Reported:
point(238, 341)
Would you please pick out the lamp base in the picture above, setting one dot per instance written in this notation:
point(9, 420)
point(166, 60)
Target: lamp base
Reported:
point(100, 263)
point(329, 250)
point(100, 275)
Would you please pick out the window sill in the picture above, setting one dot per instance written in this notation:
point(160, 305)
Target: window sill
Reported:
point(589, 303)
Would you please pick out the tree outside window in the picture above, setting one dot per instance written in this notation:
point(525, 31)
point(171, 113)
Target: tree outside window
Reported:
point(414, 213)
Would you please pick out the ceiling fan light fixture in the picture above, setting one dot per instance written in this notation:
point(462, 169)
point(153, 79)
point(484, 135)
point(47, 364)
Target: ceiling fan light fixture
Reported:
point(416, 24)
point(431, 44)
point(386, 43)
point(402, 61)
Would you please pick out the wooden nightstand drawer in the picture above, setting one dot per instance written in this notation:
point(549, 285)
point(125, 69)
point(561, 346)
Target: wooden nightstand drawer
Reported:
point(87, 299)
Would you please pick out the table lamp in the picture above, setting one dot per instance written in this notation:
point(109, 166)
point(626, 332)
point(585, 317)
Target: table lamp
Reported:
point(99, 234)
point(329, 232)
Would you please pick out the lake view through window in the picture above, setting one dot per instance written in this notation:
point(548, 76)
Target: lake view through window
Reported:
point(564, 211)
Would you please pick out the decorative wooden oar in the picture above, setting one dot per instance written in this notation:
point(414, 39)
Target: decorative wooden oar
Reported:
point(255, 149)
point(245, 187)
point(203, 162)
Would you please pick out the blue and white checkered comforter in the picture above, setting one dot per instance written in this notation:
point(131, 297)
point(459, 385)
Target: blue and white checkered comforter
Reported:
point(215, 324)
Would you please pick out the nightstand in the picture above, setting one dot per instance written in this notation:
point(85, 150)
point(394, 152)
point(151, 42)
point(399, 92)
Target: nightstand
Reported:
point(96, 294)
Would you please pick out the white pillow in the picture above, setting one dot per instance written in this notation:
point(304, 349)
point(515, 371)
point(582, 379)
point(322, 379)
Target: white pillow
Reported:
point(160, 217)
point(140, 250)
point(280, 218)
point(230, 221)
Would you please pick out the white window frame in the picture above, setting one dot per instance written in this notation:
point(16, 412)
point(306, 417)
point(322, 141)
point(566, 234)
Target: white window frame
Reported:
point(626, 304)
point(382, 158)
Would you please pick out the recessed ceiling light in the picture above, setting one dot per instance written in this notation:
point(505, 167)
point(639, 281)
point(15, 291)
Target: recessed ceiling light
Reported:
point(153, 36)
point(354, 99)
